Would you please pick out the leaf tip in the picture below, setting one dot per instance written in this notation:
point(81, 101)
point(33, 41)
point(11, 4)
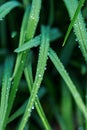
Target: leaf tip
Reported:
point(16, 51)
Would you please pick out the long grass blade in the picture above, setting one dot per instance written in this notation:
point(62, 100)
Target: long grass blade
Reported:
point(66, 55)
point(79, 26)
point(60, 68)
point(7, 7)
point(54, 34)
point(22, 38)
point(81, 2)
point(6, 83)
point(29, 79)
point(21, 110)
point(66, 107)
point(44, 48)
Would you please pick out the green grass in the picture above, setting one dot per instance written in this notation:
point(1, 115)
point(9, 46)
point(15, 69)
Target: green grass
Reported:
point(43, 73)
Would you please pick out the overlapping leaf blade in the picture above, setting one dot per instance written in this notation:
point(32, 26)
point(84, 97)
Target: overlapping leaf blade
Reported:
point(44, 48)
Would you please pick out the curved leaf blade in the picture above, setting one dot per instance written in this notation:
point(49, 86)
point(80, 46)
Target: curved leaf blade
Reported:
point(7, 7)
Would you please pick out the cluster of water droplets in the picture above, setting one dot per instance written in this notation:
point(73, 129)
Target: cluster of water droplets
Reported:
point(32, 16)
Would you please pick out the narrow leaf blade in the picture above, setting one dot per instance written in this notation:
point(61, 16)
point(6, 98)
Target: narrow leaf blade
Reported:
point(7, 7)
point(73, 20)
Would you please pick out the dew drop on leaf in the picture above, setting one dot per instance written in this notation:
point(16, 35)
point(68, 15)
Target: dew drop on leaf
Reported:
point(10, 79)
point(48, 53)
point(78, 46)
point(39, 75)
point(13, 34)
point(76, 39)
point(32, 107)
point(45, 68)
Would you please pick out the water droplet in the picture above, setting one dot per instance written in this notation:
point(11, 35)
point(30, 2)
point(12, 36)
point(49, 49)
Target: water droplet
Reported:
point(7, 88)
point(32, 17)
point(75, 24)
point(47, 57)
point(32, 107)
point(76, 39)
point(39, 54)
point(39, 75)
point(48, 53)
point(10, 79)
point(45, 68)
point(13, 34)
point(78, 46)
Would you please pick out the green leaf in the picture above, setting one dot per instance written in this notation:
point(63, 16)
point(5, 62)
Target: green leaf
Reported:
point(6, 83)
point(29, 79)
point(28, 45)
point(19, 112)
point(44, 48)
point(79, 26)
point(7, 7)
point(35, 11)
point(54, 34)
point(22, 38)
point(66, 107)
point(72, 88)
point(73, 20)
